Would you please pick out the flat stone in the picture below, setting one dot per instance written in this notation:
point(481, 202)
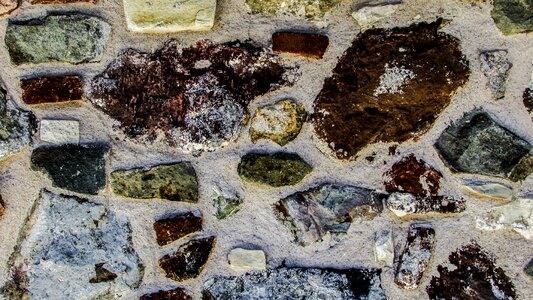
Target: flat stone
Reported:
point(477, 144)
point(189, 260)
point(384, 247)
point(473, 276)
point(246, 260)
point(517, 215)
point(174, 182)
point(62, 1)
point(496, 66)
point(513, 16)
point(207, 87)
point(404, 204)
point(489, 189)
point(16, 127)
point(529, 269)
point(71, 39)
point(415, 257)
point(7, 6)
point(412, 175)
point(368, 16)
point(278, 169)
point(77, 168)
point(166, 16)
point(311, 10)
point(384, 87)
point(52, 89)
point(173, 228)
point(74, 249)
point(328, 208)
point(301, 43)
point(280, 122)
point(298, 283)
point(60, 131)
point(175, 294)
point(226, 203)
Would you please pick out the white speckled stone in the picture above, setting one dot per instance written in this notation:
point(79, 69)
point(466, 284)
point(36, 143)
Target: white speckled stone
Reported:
point(244, 260)
point(517, 215)
point(60, 131)
point(370, 15)
point(384, 247)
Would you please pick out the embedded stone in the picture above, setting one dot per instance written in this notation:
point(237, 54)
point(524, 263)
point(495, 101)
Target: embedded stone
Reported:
point(415, 257)
point(477, 144)
point(496, 66)
point(513, 16)
point(189, 260)
point(60, 131)
point(384, 247)
point(298, 283)
point(246, 260)
point(368, 16)
point(528, 98)
point(167, 16)
point(517, 215)
point(7, 6)
point(329, 208)
point(174, 182)
point(529, 269)
point(403, 204)
point(62, 1)
point(52, 89)
point(2, 207)
point(280, 122)
point(412, 175)
point(489, 189)
point(278, 169)
point(226, 203)
point(196, 97)
point(71, 39)
point(175, 294)
point(473, 276)
point(311, 10)
point(389, 86)
point(170, 229)
point(311, 45)
point(74, 249)
point(77, 168)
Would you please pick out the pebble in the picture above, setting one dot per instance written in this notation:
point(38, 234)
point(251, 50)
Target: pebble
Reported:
point(246, 260)
point(60, 131)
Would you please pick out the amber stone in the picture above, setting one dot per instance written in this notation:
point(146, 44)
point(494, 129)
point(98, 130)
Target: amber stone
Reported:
point(52, 89)
point(412, 175)
point(305, 44)
point(175, 294)
point(173, 228)
point(189, 260)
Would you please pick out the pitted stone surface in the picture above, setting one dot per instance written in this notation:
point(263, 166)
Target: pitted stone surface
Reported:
point(513, 16)
point(311, 10)
point(61, 1)
point(277, 169)
point(517, 215)
point(406, 204)
point(495, 65)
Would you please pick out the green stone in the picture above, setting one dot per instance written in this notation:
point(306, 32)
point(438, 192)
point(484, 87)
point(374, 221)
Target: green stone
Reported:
point(174, 182)
point(513, 16)
point(227, 206)
point(57, 38)
point(300, 8)
point(278, 169)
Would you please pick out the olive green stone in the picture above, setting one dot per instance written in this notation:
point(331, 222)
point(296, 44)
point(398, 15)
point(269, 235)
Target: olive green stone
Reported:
point(227, 206)
point(174, 182)
point(513, 16)
point(279, 169)
point(299, 8)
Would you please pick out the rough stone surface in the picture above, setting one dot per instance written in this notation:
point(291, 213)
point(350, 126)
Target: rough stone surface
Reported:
point(384, 247)
point(2, 207)
point(278, 169)
point(389, 86)
point(368, 16)
point(7, 6)
point(529, 269)
point(77, 168)
point(57, 38)
point(496, 66)
point(196, 97)
point(489, 189)
point(175, 294)
point(246, 260)
point(66, 248)
point(166, 16)
point(60, 131)
point(412, 175)
point(311, 10)
point(477, 144)
point(513, 16)
point(189, 260)
point(327, 209)
point(295, 283)
point(280, 122)
point(52, 89)
point(474, 276)
point(16, 127)
point(174, 182)
point(517, 215)
point(528, 99)
point(172, 228)
point(403, 204)
point(226, 203)
point(311, 45)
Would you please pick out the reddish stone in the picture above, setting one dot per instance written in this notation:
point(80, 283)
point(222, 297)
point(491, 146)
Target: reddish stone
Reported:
point(175, 294)
point(407, 174)
point(52, 89)
point(173, 228)
point(305, 44)
point(61, 1)
point(189, 260)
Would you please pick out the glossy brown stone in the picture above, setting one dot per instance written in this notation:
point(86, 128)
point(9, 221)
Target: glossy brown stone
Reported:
point(61, 1)
point(175, 294)
point(412, 175)
point(52, 89)
point(173, 228)
point(189, 260)
point(305, 44)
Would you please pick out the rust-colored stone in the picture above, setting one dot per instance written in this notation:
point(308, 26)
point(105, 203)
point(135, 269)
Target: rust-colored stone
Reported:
point(175, 227)
point(62, 1)
point(52, 89)
point(175, 294)
point(305, 44)
point(189, 260)
point(407, 174)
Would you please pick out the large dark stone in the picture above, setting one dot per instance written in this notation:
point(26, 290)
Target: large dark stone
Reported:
point(189, 260)
point(51, 89)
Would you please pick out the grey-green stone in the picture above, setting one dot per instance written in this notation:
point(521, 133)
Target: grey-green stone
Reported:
point(57, 38)
point(16, 127)
point(227, 206)
point(299, 8)
point(279, 169)
point(513, 16)
point(174, 182)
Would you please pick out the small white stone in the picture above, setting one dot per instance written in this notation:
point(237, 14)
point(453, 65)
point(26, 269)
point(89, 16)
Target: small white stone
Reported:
point(245, 260)
point(370, 15)
point(489, 189)
point(384, 247)
point(517, 215)
point(60, 131)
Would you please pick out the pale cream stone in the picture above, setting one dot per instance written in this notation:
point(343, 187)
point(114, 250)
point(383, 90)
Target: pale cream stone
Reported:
point(384, 247)
point(489, 189)
point(60, 131)
point(245, 260)
point(517, 215)
point(165, 16)
point(370, 15)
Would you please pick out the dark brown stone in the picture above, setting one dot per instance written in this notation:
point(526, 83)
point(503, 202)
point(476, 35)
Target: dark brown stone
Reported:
point(305, 44)
point(189, 261)
point(102, 274)
point(175, 227)
point(62, 1)
point(389, 86)
point(407, 174)
point(175, 294)
point(528, 99)
point(51, 89)
point(2, 207)
point(474, 277)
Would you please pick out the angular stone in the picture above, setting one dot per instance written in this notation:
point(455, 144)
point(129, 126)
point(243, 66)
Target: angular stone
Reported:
point(384, 247)
point(384, 87)
point(16, 127)
point(298, 283)
point(415, 257)
point(368, 16)
point(278, 169)
point(226, 204)
point(175, 294)
point(517, 215)
point(69, 250)
point(57, 38)
point(403, 204)
point(311, 10)
point(196, 97)
point(61, 1)
point(328, 208)
point(166, 16)
point(305, 44)
point(529, 269)
point(174, 182)
point(77, 168)
point(7, 6)
point(280, 122)
point(175, 227)
point(489, 189)
point(2, 207)
point(52, 89)
point(477, 144)
point(496, 66)
point(246, 260)
point(189, 260)
point(513, 16)
point(412, 175)
point(474, 276)
point(60, 131)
